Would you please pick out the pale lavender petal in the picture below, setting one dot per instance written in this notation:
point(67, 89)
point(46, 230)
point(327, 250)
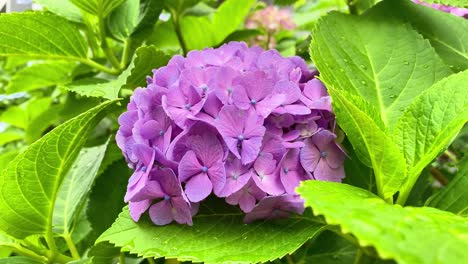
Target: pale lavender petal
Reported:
point(207, 148)
point(189, 166)
point(230, 122)
point(309, 156)
point(250, 149)
point(198, 187)
point(266, 106)
point(323, 172)
point(334, 156)
point(161, 213)
point(169, 182)
point(247, 202)
point(182, 212)
point(138, 208)
point(217, 176)
point(265, 177)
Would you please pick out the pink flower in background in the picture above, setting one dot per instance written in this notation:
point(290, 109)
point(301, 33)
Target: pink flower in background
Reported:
point(239, 123)
point(271, 20)
point(458, 11)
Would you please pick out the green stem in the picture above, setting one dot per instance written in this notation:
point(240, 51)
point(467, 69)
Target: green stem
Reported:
point(71, 246)
point(61, 259)
point(27, 253)
point(122, 258)
point(175, 22)
point(171, 261)
point(451, 156)
point(352, 7)
point(105, 46)
point(289, 259)
point(126, 55)
point(100, 67)
point(151, 261)
point(359, 256)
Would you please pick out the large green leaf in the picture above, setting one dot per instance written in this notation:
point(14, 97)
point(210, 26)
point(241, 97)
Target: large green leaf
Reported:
point(76, 186)
point(123, 19)
point(371, 143)
point(40, 35)
point(10, 136)
point(430, 123)
point(447, 33)
point(453, 197)
point(382, 66)
point(100, 8)
point(376, 58)
point(30, 183)
point(406, 234)
point(62, 8)
point(201, 32)
point(40, 75)
point(21, 116)
point(214, 238)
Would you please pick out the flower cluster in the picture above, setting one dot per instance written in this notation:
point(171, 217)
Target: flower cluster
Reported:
point(271, 20)
point(243, 123)
point(458, 11)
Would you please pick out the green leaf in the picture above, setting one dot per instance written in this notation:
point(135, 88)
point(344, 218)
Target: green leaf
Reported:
point(147, 58)
point(97, 87)
point(106, 203)
point(446, 32)
point(21, 116)
point(10, 136)
point(15, 116)
point(379, 59)
point(39, 124)
point(214, 238)
point(100, 8)
point(30, 183)
point(40, 75)
point(357, 174)
point(6, 245)
point(62, 8)
point(328, 248)
point(40, 35)
point(404, 234)
point(6, 157)
point(76, 186)
point(19, 260)
point(103, 253)
point(202, 32)
point(123, 19)
point(430, 123)
point(383, 66)
point(453, 197)
point(371, 143)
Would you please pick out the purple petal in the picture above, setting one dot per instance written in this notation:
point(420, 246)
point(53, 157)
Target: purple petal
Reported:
point(237, 176)
point(207, 148)
point(266, 106)
point(247, 202)
point(323, 172)
point(250, 149)
point(189, 166)
point(334, 155)
point(217, 176)
point(253, 125)
point(290, 180)
point(198, 187)
point(138, 208)
point(169, 182)
point(310, 156)
point(161, 213)
point(182, 212)
point(290, 90)
point(265, 177)
point(322, 138)
point(230, 122)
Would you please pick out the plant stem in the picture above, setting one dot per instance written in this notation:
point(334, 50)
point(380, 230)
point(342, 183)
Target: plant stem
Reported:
point(359, 256)
point(451, 156)
point(26, 252)
point(439, 176)
point(126, 54)
point(122, 258)
point(289, 259)
point(175, 22)
point(71, 246)
point(171, 261)
point(105, 46)
point(100, 67)
point(352, 7)
point(151, 261)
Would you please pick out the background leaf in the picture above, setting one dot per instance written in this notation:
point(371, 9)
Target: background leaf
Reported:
point(40, 75)
point(123, 19)
point(447, 33)
point(40, 35)
point(454, 196)
point(214, 238)
point(62, 8)
point(430, 123)
point(75, 187)
point(19, 260)
point(100, 8)
point(404, 234)
point(30, 183)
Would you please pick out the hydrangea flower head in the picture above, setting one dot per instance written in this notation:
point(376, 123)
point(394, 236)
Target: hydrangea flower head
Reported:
point(242, 124)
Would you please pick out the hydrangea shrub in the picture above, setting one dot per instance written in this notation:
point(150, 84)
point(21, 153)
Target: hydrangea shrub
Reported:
point(244, 124)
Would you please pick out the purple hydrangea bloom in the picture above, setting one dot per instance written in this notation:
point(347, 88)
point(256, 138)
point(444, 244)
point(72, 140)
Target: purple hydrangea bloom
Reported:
point(458, 11)
point(243, 124)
